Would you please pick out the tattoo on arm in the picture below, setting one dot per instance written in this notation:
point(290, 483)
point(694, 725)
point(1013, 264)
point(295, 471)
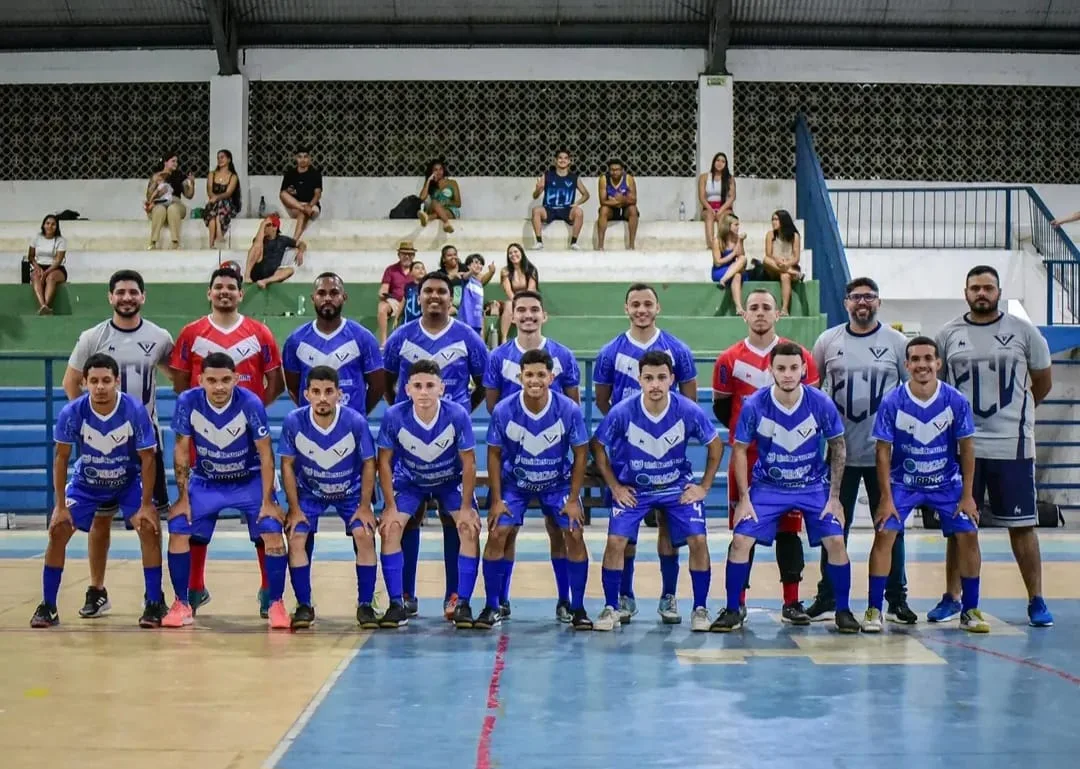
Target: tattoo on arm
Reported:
point(837, 460)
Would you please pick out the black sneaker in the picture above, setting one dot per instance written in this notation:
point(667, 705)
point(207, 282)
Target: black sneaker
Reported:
point(846, 622)
point(488, 619)
point(563, 613)
point(97, 603)
point(463, 619)
point(395, 616)
point(45, 616)
point(820, 611)
point(726, 621)
point(412, 606)
point(153, 613)
point(795, 614)
point(504, 610)
point(579, 620)
point(901, 614)
point(303, 617)
point(365, 617)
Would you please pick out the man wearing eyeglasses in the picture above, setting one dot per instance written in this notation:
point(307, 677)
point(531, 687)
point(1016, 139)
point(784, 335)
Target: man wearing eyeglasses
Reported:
point(860, 362)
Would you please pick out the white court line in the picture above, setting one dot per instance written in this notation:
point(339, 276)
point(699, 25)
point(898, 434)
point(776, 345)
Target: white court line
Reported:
point(302, 721)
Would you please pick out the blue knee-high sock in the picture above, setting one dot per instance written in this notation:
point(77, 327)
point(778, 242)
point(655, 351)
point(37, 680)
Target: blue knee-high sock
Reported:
point(508, 569)
point(179, 572)
point(300, 576)
point(451, 550)
point(494, 579)
point(612, 581)
point(969, 593)
point(562, 578)
point(877, 591)
point(309, 546)
point(626, 583)
point(735, 576)
point(50, 583)
point(465, 570)
point(152, 583)
point(840, 577)
point(365, 583)
point(276, 567)
point(578, 576)
point(410, 551)
point(700, 581)
point(669, 574)
point(391, 571)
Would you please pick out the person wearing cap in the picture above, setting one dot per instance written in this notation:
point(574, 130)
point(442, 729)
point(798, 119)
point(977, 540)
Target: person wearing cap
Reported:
point(392, 291)
point(301, 192)
point(272, 257)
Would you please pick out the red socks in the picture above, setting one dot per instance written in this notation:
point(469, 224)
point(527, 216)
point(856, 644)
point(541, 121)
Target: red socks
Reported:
point(791, 592)
point(742, 597)
point(197, 579)
point(260, 553)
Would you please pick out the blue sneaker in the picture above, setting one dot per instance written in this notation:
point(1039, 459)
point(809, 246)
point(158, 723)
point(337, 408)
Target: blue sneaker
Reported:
point(264, 603)
point(197, 599)
point(1038, 614)
point(948, 608)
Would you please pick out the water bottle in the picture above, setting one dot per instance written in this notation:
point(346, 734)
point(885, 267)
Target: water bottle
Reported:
point(262, 207)
point(300, 305)
point(682, 211)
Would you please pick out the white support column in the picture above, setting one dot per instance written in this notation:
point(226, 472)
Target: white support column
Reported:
point(229, 128)
point(716, 120)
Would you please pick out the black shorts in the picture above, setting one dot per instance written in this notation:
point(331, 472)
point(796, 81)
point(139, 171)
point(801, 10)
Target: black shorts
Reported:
point(618, 214)
point(558, 214)
point(1008, 485)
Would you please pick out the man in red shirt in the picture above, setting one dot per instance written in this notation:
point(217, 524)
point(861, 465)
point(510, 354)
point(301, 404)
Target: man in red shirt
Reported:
point(252, 347)
point(392, 291)
point(740, 371)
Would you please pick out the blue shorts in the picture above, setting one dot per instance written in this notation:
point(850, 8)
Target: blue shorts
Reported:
point(84, 501)
point(313, 509)
point(683, 521)
point(771, 504)
point(558, 214)
point(412, 500)
point(945, 502)
point(208, 499)
point(1010, 485)
point(718, 273)
point(551, 504)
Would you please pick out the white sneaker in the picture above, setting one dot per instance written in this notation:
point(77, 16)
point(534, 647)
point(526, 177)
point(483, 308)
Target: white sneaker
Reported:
point(871, 622)
point(608, 619)
point(539, 246)
point(627, 608)
point(669, 610)
point(575, 247)
point(973, 621)
point(700, 620)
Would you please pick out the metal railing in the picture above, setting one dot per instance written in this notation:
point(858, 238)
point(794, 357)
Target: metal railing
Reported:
point(1062, 292)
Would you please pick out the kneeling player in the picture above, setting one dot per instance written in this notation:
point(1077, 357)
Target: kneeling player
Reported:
point(116, 445)
point(920, 429)
point(328, 463)
point(640, 449)
point(529, 438)
point(426, 451)
point(788, 420)
point(234, 469)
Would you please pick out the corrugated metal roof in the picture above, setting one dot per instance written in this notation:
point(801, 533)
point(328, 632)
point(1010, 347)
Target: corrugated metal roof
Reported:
point(104, 13)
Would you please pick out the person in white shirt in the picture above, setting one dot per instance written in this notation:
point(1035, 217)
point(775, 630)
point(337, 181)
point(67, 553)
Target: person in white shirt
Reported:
point(46, 257)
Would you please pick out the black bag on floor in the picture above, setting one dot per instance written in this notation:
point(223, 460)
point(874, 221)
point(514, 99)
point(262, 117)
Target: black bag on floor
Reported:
point(408, 208)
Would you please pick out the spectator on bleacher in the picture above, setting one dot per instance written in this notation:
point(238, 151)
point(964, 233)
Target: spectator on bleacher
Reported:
point(46, 257)
point(412, 310)
point(272, 257)
point(618, 202)
point(716, 193)
point(1065, 220)
point(729, 259)
point(472, 292)
point(519, 274)
point(450, 263)
point(782, 248)
point(223, 197)
point(164, 199)
point(439, 196)
point(559, 187)
point(392, 289)
point(301, 192)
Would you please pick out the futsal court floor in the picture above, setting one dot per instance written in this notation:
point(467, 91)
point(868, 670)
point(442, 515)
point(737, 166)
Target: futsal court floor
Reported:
point(228, 694)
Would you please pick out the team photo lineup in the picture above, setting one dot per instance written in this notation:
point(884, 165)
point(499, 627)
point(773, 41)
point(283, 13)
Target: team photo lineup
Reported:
point(940, 427)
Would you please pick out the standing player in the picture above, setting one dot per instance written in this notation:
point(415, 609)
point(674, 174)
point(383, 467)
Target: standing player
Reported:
point(328, 463)
point(921, 429)
point(789, 422)
point(426, 451)
point(1002, 364)
point(117, 447)
point(252, 348)
point(225, 427)
point(140, 348)
point(861, 361)
point(461, 355)
point(640, 449)
point(503, 379)
point(739, 372)
point(616, 378)
point(529, 438)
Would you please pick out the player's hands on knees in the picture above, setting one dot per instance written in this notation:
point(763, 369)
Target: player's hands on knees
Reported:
point(180, 508)
point(272, 510)
point(886, 509)
point(572, 510)
point(468, 520)
point(366, 516)
point(61, 516)
point(836, 510)
point(744, 511)
point(146, 516)
point(294, 518)
point(970, 506)
point(692, 493)
point(496, 510)
point(623, 495)
point(389, 521)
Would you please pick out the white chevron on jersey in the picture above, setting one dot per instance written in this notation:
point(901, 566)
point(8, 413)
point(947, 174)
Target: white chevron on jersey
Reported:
point(924, 432)
point(656, 446)
point(413, 352)
point(426, 452)
point(335, 359)
point(627, 365)
point(239, 352)
point(535, 444)
point(222, 437)
point(106, 443)
point(326, 458)
point(789, 440)
point(511, 371)
point(752, 376)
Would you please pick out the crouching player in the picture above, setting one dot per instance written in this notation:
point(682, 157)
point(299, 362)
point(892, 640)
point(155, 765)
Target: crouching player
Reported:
point(234, 469)
point(328, 463)
point(921, 429)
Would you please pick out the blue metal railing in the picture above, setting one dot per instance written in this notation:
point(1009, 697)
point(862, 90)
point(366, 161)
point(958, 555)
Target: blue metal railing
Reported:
point(814, 207)
point(1062, 291)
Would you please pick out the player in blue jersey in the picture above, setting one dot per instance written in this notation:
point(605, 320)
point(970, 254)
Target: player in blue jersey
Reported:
point(427, 453)
point(461, 355)
point(233, 469)
point(116, 445)
point(640, 449)
point(531, 437)
point(790, 422)
point(502, 379)
point(616, 378)
point(328, 463)
point(925, 433)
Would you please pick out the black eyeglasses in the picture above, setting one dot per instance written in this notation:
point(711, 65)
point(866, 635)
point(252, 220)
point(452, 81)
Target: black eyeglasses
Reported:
point(862, 298)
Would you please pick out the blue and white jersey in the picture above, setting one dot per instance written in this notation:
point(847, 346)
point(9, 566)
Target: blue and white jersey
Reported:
point(108, 446)
point(224, 438)
point(351, 350)
point(427, 454)
point(537, 447)
point(471, 309)
point(458, 351)
point(648, 453)
point(925, 435)
point(504, 367)
point(328, 463)
point(790, 442)
point(617, 363)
